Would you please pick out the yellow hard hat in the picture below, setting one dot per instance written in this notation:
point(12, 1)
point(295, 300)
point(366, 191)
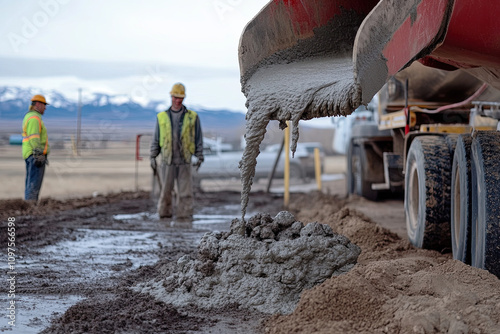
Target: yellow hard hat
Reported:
point(178, 90)
point(39, 98)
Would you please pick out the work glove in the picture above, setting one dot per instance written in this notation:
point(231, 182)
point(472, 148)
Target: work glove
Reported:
point(153, 163)
point(198, 163)
point(40, 158)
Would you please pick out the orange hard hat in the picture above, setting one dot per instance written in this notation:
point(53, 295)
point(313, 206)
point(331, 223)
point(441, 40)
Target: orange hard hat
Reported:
point(39, 98)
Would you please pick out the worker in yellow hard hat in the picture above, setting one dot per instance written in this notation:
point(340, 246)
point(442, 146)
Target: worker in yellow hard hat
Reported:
point(35, 147)
point(177, 137)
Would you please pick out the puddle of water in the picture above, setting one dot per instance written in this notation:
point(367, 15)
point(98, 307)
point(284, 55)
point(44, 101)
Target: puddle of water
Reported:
point(137, 216)
point(106, 242)
point(212, 219)
point(34, 312)
point(107, 252)
point(213, 222)
point(205, 220)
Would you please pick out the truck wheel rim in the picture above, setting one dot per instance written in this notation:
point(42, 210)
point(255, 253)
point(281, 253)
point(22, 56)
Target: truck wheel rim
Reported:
point(357, 175)
point(456, 207)
point(413, 200)
point(356, 171)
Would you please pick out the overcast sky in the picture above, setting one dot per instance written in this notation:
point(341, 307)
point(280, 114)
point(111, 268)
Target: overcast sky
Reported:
point(139, 48)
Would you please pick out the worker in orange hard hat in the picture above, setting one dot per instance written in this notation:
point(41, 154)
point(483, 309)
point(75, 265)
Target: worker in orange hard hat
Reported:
point(178, 137)
point(35, 147)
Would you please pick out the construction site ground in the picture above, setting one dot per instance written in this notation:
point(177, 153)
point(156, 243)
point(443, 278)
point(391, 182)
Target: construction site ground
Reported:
point(78, 256)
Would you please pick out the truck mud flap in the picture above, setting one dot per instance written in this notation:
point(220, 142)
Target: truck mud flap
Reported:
point(392, 163)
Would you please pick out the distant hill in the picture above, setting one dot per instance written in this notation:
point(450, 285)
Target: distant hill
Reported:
point(117, 117)
point(118, 110)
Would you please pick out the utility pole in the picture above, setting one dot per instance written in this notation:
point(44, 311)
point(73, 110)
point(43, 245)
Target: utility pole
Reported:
point(79, 122)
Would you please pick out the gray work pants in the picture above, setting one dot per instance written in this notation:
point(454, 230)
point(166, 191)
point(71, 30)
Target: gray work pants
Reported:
point(177, 183)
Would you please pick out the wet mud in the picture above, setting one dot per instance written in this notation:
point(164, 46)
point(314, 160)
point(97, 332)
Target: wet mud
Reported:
point(78, 259)
point(81, 265)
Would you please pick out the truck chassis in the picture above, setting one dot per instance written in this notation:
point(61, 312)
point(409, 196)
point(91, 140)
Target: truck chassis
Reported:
point(449, 173)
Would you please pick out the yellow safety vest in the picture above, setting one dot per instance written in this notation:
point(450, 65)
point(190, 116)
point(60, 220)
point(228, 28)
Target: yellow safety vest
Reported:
point(187, 135)
point(34, 134)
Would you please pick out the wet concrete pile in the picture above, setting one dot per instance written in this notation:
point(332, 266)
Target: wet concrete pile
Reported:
point(262, 264)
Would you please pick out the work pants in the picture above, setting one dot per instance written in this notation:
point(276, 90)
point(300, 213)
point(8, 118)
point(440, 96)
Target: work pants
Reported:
point(178, 188)
point(34, 178)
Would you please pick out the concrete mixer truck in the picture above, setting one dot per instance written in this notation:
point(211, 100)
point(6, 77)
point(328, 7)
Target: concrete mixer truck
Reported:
point(433, 68)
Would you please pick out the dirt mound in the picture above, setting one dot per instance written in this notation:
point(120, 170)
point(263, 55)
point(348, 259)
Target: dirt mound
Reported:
point(408, 295)
point(46, 206)
point(394, 288)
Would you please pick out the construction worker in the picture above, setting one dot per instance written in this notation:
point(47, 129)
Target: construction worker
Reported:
point(35, 147)
point(177, 137)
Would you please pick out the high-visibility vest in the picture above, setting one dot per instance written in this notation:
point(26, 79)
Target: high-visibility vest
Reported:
point(188, 122)
point(34, 134)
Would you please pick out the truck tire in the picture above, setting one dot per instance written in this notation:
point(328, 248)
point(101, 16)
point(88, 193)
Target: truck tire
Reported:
point(357, 182)
point(427, 193)
point(461, 200)
point(485, 236)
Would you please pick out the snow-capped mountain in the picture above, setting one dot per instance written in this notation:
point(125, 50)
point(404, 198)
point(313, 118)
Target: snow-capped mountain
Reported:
point(20, 97)
point(15, 101)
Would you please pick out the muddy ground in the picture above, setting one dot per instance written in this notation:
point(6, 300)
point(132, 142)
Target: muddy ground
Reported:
point(77, 260)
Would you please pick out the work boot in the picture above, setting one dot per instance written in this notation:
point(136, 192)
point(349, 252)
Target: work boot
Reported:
point(31, 202)
point(165, 215)
point(164, 209)
point(184, 209)
point(184, 212)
